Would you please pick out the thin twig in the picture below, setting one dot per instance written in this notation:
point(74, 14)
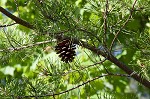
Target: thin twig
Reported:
point(25, 46)
point(116, 35)
point(82, 68)
point(7, 37)
point(105, 24)
point(8, 25)
point(17, 7)
point(84, 83)
point(76, 70)
point(89, 32)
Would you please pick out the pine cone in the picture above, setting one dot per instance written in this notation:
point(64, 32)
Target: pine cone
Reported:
point(66, 50)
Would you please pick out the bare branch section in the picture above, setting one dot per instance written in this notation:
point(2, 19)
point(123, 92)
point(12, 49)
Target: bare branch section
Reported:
point(106, 54)
point(84, 83)
point(16, 19)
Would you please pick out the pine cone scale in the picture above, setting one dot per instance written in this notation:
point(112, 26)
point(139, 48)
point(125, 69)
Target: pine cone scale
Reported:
point(66, 50)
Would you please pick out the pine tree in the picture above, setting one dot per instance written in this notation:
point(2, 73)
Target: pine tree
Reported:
point(99, 39)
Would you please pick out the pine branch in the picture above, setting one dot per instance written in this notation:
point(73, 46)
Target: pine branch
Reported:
point(82, 68)
point(106, 54)
point(16, 19)
point(114, 60)
point(116, 35)
point(80, 85)
point(25, 46)
point(105, 23)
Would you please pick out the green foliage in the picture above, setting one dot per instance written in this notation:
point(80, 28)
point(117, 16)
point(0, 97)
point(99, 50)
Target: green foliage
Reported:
point(31, 68)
